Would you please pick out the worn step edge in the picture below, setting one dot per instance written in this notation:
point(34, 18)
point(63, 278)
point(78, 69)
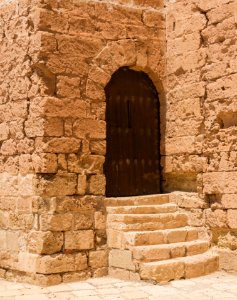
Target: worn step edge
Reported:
point(183, 267)
point(169, 251)
point(137, 200)
point(134, 218)
point(143, 209)
point(165, 236)
point(126, 240)
point(147, 226)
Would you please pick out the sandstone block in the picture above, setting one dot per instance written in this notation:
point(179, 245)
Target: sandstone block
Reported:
point(180, 145)
point(212, 264)
point(74, 204)
point(57, 222)
point(95, 129)
point(216, 218)
point(196, 217)
point(197, 247)
point(28, 262)
point(56, 185)
point(83, 220)
point(98, 259)
point(162, 271)
point(21, 221)
point(45, 242)
point(229, 201)
point(228, 260)
point(4, 220)
point(98, 147)
point(178, 251)
point(79, 240)
point(34, 127)
point(100, 272)
point(81, 184)
point(121, 259)
point(60, 108)
point(176, 236)
point(24, 205)
point(58, 145)
point(3, 239)
point(90, 164)
point(75, 276)
point(115, 239)
point(232, 218)
point(97, 185)
point(12, 238)
point(45, 162)
point(9, 184)
point(119, 273)
point(194, 269)
point(54, 127)
point(80, 261)
point(56, 264)
point(25, 164)
point(142, 238)
point(45, 280)
point(68, 87)
point(26, 184)
point(49, 19)
point(4, 132)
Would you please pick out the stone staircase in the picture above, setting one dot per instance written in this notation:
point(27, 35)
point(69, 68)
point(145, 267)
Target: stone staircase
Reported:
point(150, 239)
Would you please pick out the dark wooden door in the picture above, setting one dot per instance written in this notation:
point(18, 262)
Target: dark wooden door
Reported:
point(132, 165)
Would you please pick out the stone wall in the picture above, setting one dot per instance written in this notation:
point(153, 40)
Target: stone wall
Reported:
point(57, 56)
point(202, 114)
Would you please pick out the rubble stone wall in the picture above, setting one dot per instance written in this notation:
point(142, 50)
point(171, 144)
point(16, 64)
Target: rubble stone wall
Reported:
point(200, 145)
point(57, 58)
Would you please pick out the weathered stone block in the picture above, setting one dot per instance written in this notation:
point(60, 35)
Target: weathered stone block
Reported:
point(57, 222)
point(98, 259)
point(231, 218)
point(56, 185)
point(220, 183)
point(94, 129)
point(216, 218)
point(56, 264)
point(121, 259)
point(45, 162)
point(58, 145)
point(100, 220)
point(83, 219)
point(45, 242)
point(79, 240)
point(97, 185)
point(81, 184)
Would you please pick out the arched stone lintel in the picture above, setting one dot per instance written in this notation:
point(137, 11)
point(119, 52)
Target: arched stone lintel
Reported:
point(128, 52)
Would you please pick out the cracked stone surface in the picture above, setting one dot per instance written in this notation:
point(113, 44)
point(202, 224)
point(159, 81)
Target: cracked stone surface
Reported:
point(217, 286)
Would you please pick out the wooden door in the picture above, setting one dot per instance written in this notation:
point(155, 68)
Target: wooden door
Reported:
point(132, 165)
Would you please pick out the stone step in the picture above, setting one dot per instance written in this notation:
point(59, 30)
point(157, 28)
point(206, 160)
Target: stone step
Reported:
point(177, 268)
point(141, 222)
point(167, 236)
point(137, 200)
point(169, 251)
point(126, 240)
point(143, 209)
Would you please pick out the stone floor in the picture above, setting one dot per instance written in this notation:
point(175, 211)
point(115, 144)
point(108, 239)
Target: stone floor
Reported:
point(217, 286)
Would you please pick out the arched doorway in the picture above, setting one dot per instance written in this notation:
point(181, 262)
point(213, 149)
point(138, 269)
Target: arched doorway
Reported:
point(132, 164)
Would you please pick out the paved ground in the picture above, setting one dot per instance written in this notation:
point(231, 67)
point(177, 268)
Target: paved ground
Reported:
point(218, 286)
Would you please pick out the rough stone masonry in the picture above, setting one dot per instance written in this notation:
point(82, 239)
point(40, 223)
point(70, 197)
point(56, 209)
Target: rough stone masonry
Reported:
point(56, 58)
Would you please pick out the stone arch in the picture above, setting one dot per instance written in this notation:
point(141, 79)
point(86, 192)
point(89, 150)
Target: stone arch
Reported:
point(131, 53)
point(137, 55)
